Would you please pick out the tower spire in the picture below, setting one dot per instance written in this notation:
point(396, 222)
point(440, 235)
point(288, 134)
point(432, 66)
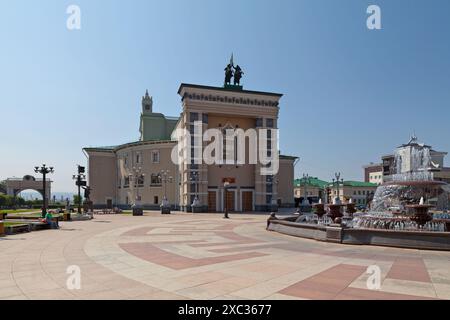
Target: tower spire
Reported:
point(147, 103)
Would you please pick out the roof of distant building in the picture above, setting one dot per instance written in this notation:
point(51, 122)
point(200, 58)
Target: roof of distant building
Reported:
point(359, 184)
point(126, 145)
point(313, 182)
point(197, 86)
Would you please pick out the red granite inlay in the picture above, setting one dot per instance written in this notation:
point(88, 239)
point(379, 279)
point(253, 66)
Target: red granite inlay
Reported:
point(139, 232)
point(243, 248)
point(327, 284)
point(151, 253)
point(229, 235)
point(341, 253)
point(411, 269)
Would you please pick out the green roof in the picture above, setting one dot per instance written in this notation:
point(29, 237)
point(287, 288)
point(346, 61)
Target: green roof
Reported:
point(286, 157)
point(359, 184)
point(313, 182)
point(316, 182)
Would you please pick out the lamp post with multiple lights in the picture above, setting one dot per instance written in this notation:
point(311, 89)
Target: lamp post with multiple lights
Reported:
point(226, 186)
point(337, 181)
point(136, 178)
point(165, 178)
point(44, 170)
point(306, 181)
point(195, 177)
point(80, 181)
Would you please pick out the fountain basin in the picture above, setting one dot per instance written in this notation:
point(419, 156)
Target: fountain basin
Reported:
point(336, 212)
point(319, 209)
point(420, 213)
point(349, 236)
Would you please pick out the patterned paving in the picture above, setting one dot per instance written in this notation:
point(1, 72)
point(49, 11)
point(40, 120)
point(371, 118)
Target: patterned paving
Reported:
point(186, 256)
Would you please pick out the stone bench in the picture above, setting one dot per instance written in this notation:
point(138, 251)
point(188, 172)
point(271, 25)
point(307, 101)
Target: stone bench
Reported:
point(17, 228)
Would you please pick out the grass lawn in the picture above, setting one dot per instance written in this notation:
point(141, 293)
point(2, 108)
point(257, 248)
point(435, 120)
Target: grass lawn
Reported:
point(10, 224)
point(20, 215)
point(36, 215)
point(20, 211)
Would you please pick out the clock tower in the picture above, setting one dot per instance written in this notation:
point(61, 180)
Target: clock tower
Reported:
point(147, 104)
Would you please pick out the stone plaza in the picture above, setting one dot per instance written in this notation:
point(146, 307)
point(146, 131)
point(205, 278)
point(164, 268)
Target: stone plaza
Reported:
point(202, 256)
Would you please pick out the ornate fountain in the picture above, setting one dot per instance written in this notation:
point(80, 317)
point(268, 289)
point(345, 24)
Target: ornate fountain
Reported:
point(405, 200)
point(350, 209)
point(420, 213)
point(319, 209)
point(409, 210)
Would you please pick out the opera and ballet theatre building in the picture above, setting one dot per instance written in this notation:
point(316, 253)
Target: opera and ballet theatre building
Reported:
point(222, 152)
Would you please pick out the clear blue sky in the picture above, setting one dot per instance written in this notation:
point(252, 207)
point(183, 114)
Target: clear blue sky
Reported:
point(351, 95)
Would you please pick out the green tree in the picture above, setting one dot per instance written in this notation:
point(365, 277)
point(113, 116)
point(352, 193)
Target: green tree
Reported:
point(3, 186)
point(77, 199)
point(6, 201)
point(3, 200)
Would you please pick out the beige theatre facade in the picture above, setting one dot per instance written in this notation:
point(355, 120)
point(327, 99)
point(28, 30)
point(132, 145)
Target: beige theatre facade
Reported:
point(146, 169)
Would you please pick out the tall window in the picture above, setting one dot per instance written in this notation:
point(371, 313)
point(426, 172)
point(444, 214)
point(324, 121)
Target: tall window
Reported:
point(233, 156)
point(141, 180)
point(138, 158)
point(193, 116)
point(155, 156)
point(155, 180)
point(127, 182)
point(269, 123)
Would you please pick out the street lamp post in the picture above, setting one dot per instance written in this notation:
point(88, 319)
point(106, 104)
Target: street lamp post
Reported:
point(165, 178)
point(80, 182)
point(337, 180)
point(135, 178)
point(195, 179)
point(274, 181)
point(226, 185)
point(306, 182)
point(44, 170)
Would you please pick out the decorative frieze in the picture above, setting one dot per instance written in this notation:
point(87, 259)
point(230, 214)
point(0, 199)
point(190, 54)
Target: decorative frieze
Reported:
point(229, 100)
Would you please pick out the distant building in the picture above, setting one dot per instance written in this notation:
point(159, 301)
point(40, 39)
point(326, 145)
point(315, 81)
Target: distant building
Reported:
point(361, 193)
point(388, 162)
point(409, 158)
point(315, 189)
point(112, 170)
point(373, 173)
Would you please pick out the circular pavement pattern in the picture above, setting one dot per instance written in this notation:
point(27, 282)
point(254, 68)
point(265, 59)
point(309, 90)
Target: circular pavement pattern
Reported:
point(185, 256)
